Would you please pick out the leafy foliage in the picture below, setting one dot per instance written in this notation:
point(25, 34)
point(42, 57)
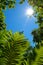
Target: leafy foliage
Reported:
point(30, 55)
point(21, 1)
point(5, 3)
point(2, 23)
point(39, 58)
point(13, 47)
point(38, 33)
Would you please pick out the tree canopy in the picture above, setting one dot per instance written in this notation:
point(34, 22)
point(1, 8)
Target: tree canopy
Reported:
point(15, 49)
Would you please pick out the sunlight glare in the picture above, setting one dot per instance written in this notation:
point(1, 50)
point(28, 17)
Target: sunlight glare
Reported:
point(29, 12)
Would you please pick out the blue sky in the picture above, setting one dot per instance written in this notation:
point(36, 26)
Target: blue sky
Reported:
point(17, 21)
